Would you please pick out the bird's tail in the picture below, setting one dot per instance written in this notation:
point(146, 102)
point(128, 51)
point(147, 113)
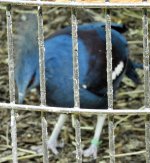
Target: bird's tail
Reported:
point(131, 71)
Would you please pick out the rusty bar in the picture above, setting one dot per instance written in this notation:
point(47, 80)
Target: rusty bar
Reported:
point(110, 85)
point(42, 83)
point(146, 82)
point(76, 118)
point(11, 83)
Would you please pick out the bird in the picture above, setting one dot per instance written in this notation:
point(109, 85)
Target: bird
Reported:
point(59, 70)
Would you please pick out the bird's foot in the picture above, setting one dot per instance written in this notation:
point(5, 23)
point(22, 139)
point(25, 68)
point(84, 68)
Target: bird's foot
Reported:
point(53, 145)
point(91, 151)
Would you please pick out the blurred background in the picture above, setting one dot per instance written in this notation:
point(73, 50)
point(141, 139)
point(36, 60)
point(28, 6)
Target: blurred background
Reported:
point(129, 131)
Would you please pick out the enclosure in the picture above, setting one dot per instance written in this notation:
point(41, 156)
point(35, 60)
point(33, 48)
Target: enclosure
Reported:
point(126, 136)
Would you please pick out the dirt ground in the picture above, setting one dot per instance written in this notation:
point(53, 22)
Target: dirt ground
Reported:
point(129, 131)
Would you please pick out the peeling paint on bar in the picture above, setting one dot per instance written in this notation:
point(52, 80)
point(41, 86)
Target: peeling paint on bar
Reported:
point(110, 86)
point(76, 118)
point(42, 83)
point(44, 139)
point(75, 58)
point(146, 58)
point(147, 138)
point(11, 83)
point(109, 60)
point(146, 81)
point(111, 127)
point(41, 57)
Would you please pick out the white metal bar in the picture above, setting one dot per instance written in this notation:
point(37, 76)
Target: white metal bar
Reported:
point(109, 60)
point(42, 83)
point(111, 127)
point(146, 82)
point(75, 58)
point(11, 83)
point(147, 138)
point(77, 110)
point(146, 58)
point(74, 111)
point(76, 118)
point(41, 57)
point(44, 138)
point(77, 4)
point(110, 86)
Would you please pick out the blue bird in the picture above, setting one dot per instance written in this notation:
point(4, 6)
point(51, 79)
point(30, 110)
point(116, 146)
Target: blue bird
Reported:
point(26, 55)
point(59, 69)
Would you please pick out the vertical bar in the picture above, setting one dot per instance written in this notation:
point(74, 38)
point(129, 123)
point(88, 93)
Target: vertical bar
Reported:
point(41, 56)
point(76, 84)
point(109, 60)
point(111, 139)
point(42, 83)
point(11, 82)
point(146, 58)
point(110, 85)
point(146, 82)
point(75, 58)
point(147, 138)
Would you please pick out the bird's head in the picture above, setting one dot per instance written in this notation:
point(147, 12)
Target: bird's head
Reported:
point(26, 55)
point(26, 75)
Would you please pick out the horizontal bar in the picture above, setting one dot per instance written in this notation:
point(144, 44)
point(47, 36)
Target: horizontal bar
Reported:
point(75, 111)
point(76, 4)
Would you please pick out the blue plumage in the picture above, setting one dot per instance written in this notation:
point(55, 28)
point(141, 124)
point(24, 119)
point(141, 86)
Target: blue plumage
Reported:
point(58, 56)
point(59, 69)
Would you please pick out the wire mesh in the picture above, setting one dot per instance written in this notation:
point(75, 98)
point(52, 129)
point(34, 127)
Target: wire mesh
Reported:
point(76, 110)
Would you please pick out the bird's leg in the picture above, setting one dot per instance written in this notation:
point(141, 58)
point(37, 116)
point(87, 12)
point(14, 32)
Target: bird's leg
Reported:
point(92, 150)
point(53, 140)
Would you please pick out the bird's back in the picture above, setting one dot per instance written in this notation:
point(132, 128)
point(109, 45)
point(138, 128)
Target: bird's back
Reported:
point(92, 66)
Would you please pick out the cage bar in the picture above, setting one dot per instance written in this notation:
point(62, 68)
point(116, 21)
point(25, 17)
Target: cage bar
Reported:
point(11, 82)
point(99, 1)
point(74, 111)
point(146, 58)
point(76, 118)
point(147, 138)
point(76, 4)
point(109, 60)
point(146, 82)
point(110, 86)
point(42, 83)
point(41, 57)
